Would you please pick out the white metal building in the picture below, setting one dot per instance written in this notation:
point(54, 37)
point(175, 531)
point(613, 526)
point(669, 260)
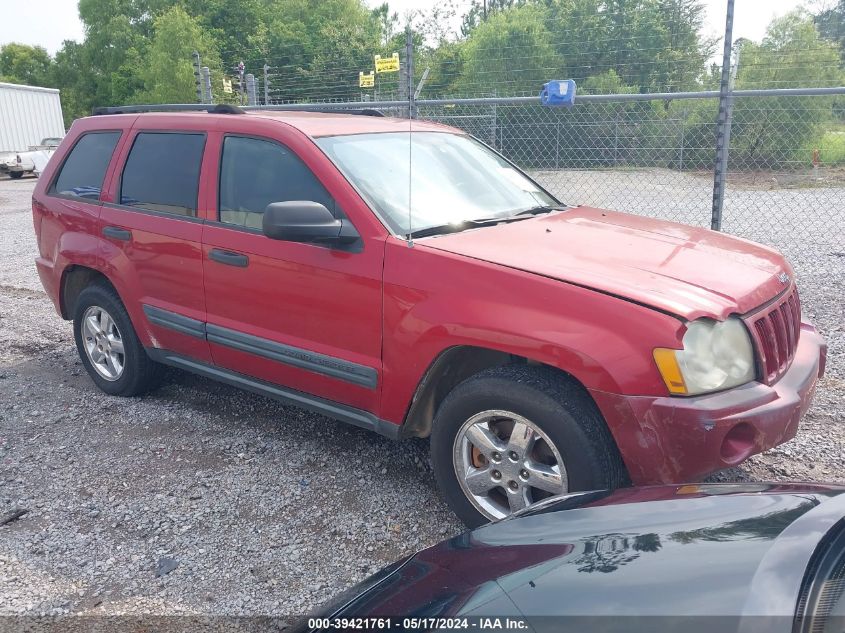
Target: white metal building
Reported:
point(27, 115)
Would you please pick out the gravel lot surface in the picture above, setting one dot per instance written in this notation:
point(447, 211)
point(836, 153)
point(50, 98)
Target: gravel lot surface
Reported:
point(202, 499)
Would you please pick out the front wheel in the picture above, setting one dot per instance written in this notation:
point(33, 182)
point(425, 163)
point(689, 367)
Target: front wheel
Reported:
point(512, 436)
point(14, 175)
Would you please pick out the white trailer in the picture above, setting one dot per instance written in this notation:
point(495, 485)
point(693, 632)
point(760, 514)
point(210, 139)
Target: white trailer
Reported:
point(28, 116)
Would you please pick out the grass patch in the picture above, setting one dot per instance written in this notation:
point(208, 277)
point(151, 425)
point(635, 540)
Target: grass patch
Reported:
point(831, 146)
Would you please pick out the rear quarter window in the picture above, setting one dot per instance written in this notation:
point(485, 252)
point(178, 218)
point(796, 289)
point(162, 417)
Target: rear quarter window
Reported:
point(83, 171)
point(162, 172)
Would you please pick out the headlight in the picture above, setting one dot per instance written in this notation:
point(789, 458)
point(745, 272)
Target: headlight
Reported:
point(716, 355)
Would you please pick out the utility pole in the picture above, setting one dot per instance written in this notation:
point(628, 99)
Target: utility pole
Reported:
point(723, 124)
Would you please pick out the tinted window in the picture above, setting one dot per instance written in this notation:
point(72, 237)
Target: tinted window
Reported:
point(254, 173)
point(84, 169)
point(162, 172)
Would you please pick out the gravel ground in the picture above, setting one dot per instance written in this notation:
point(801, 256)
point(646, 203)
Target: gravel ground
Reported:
point(249, 506)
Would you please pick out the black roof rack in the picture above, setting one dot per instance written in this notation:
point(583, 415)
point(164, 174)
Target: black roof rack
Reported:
point(223, 108)
point(220, 108)
point(324, 110)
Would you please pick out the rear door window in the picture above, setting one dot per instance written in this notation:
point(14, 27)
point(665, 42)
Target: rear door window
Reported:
point(82, 173)
point(162, 172)
point(255, 172)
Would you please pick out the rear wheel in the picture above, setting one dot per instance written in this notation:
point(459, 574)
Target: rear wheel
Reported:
point(15, 174)
point(513, 436)
point(108, 346)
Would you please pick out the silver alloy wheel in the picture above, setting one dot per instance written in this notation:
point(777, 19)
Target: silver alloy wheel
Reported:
point(505, 463)
point(103, 343)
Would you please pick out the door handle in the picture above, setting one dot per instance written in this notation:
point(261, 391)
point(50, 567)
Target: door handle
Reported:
point(229, 258)
point(117, 233)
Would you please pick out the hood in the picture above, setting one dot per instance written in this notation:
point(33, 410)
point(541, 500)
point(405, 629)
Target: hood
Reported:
point(685, 551)
point(686, 271)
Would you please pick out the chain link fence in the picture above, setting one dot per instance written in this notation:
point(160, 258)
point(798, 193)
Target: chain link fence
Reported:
point(633, 140)
point(655, 155)
point(656, 158)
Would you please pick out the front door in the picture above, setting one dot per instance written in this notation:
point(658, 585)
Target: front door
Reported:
point(304, 316)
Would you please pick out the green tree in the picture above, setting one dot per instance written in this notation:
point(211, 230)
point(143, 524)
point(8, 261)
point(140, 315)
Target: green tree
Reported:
point(166, 70)
point(655, 45)
point(235, 26)
point(316, 50)
point(72, 75)
point(117, 33)
point(510, 53)
point(771, 132)
point(831, 24)
point(23, 64)
point(480, 10)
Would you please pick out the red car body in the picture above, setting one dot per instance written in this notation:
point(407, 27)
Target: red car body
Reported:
point(587, 291)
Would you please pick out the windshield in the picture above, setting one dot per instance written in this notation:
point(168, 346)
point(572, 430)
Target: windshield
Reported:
point(453, 179)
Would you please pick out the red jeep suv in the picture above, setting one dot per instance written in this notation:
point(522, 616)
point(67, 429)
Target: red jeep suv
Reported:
point(406, 278)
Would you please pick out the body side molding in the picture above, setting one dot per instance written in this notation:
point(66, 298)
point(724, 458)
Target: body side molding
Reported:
point(329, 408)
point(173, 321)
point(294, 356)
point(330, 366)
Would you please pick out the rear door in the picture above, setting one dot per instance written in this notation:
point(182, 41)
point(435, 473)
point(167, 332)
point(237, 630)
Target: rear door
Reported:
point(152, 228)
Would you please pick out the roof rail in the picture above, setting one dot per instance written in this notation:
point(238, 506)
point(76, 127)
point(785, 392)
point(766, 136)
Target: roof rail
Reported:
point(220, 108)
point(307, 108)
point(225, 108)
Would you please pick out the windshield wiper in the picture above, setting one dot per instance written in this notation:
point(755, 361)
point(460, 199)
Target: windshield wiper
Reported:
point(443, 229)
point(440, 229)
point(538, 210)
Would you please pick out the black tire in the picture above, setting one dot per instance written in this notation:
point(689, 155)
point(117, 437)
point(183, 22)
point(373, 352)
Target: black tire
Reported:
point(14, 175)
point(558, 406)
point(140, 373)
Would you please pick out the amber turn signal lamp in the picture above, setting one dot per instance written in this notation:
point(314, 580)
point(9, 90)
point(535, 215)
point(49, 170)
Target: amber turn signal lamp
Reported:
point(667, 363)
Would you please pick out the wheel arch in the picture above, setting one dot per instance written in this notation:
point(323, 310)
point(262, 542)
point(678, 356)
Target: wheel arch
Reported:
point(75, 278)
point(450, 368)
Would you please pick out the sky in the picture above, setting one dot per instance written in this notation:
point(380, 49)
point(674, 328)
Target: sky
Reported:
point(49, 22)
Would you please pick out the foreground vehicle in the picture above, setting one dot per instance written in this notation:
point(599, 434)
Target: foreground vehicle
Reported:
point(544, 349)
point(729, 557)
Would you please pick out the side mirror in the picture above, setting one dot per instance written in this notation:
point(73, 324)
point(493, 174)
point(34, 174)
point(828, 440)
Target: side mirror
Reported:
point(304, 221)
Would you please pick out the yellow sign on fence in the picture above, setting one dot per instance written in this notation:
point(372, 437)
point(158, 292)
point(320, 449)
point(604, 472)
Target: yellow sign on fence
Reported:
point(227, 84)
point(387, 64)
point(366, 80)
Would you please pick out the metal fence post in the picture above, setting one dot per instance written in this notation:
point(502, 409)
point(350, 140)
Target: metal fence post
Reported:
point(251, 96)
point(266, 84)
point(616, 140)
point(494, 132)
point(205, 74)
point(557, 143)
point(196, 57)
point(723, 125)
point(683, 138)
